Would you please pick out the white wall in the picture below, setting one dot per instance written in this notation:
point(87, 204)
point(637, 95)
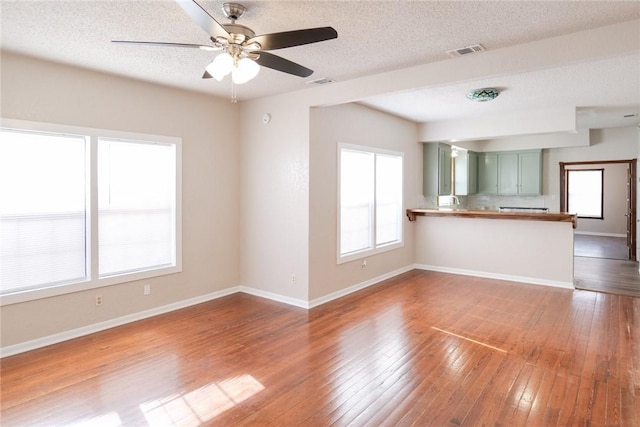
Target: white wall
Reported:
point(45, 92)
point(354, 124)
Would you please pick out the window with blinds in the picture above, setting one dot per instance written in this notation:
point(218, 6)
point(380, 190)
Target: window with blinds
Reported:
point(84, 210)
point(370, 201)
point(43, 213)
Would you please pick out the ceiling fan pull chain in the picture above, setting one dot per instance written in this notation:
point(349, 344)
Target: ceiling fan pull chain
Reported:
point(234, 98)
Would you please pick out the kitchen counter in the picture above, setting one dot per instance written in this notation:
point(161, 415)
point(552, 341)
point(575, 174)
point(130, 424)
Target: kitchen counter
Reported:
point(463, 213)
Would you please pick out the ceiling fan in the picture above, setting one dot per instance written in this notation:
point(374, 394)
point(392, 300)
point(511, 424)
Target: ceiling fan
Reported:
point(242, 50)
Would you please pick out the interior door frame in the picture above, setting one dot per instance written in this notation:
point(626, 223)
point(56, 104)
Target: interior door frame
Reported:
point(631, 191)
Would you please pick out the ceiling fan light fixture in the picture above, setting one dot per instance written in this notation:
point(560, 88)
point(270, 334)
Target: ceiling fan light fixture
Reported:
point(483, 94)
point(221, 66)
point(245, 70)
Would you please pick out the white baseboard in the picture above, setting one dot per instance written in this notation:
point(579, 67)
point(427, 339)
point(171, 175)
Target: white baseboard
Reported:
point(359, 286)
point(496, 276)
point(101, 326)
point(594, 233)
point(97, 327)
point(274, 297)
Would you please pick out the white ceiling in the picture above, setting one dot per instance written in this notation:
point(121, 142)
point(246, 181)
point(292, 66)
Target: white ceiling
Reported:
point(373, 37)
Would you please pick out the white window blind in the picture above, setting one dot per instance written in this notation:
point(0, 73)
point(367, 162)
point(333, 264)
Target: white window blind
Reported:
point(388, 199)
point(82, 208)
point(371, 189)
point(42, 209)
point(356, 200)
point(136, 210)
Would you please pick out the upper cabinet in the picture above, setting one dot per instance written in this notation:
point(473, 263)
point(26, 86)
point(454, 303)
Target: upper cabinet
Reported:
point(436, 169)
point(488, 173)
point(466, 173)
point(513, 172)
point(530, 172)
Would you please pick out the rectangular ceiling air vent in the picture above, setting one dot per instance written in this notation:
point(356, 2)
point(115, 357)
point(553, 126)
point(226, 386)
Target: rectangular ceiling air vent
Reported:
point(465, 50)
point(321, 81)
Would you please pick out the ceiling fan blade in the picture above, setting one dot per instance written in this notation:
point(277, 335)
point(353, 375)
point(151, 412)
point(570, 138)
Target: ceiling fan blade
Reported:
point(203, 19)
point(278, 63)
point(197, 46)
point(294, 38)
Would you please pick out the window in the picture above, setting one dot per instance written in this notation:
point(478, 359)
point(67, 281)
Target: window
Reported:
point(83, 208)
point(370, 201)
point(584, 193)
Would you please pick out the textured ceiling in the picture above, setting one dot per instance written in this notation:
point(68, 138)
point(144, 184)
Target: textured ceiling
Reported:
point(373, 36)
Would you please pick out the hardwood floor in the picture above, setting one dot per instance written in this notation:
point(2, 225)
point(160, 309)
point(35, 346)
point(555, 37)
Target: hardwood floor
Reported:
point(601, 247)
point(607, 275)
point(424, 348)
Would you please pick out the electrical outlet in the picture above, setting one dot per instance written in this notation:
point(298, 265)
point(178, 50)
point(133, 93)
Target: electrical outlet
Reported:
point(98, 300)
point(364, 263)
point(147, 289)
point(293, 278)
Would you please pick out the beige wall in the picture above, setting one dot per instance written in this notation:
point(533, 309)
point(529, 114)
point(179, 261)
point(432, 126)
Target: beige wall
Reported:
point(605, 144)
point(46, 92)
point(354, 124)
point(615, 201)
point(275, 199)
point(538, 252)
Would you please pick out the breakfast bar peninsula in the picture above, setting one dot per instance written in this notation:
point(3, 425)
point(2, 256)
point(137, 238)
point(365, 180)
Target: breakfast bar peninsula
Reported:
point(527, 247)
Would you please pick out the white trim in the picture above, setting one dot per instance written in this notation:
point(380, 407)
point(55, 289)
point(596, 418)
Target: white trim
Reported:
point(496, 276)
point(108, 324)
point(595, 233)
point(274, 297)
point(357, 287)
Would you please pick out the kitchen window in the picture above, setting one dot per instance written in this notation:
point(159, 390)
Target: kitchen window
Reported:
point(84, 208)
point(585, 195)
point(370, 182)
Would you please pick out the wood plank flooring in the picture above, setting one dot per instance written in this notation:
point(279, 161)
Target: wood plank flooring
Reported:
point(423, 349)
point(607, 275)
point(586, 245)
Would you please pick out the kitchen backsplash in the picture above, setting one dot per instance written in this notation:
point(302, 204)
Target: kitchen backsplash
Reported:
point(493, 202)
point(487, 202)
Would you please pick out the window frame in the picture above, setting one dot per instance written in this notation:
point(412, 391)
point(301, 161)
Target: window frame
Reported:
point(93, 281)
point(375, 249)
point(568, 174)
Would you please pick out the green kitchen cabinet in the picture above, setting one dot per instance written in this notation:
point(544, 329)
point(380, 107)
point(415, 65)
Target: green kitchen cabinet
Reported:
point(530, 172)
point(488, 173)
point(436, 169)
point(466, 168)
point(510, 173)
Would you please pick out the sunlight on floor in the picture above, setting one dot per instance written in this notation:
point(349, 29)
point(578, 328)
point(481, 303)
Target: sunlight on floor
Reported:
point(200, 405)
point(469, 339)
point(107, 420)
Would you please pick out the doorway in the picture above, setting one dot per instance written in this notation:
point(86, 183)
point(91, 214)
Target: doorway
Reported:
point(610, 232)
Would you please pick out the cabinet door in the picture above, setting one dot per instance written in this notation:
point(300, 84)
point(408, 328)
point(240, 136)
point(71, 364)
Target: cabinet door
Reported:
point(487, 173)
point(508, 173)
point(472, 173)
point(444, 170)
point(530, 174)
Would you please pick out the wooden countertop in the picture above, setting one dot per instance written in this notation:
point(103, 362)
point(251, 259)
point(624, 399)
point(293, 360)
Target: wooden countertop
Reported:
point(556, 217)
